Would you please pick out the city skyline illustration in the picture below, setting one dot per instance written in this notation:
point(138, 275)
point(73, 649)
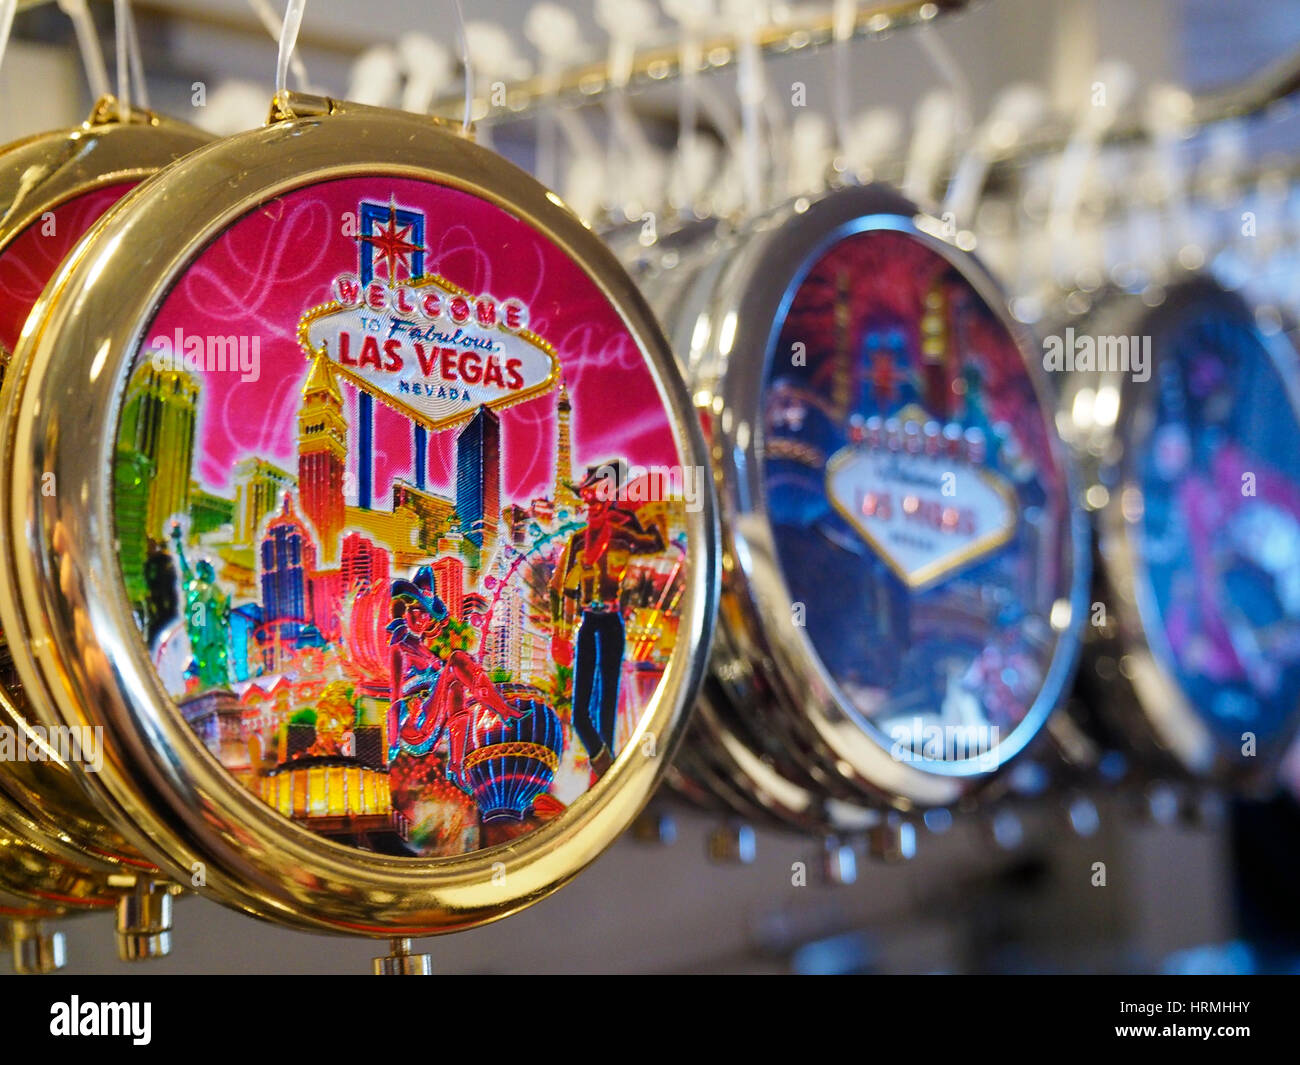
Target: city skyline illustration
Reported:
point(279, 587)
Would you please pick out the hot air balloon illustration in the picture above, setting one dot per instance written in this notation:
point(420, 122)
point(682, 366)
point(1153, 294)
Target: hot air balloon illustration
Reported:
point(510, 764)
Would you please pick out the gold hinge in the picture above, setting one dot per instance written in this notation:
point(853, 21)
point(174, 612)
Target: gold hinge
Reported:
point(303, 105)
point(289, 105)
point(108, 110)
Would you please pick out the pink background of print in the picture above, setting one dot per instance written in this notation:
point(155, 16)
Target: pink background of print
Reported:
point(33, 256)
point(278, 261)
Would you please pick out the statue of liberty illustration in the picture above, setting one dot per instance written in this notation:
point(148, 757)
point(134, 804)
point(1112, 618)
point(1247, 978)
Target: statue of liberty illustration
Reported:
point(207, 618)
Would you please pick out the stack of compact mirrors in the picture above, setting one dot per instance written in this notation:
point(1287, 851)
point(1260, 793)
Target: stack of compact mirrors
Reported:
point(60, 854)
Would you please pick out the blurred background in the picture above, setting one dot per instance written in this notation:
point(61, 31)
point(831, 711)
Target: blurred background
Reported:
point(1199, 44)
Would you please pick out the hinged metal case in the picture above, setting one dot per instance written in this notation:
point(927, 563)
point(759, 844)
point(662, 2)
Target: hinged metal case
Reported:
point(77, 645)
point(52, 187)
point(724, 295)
point(1122, 420)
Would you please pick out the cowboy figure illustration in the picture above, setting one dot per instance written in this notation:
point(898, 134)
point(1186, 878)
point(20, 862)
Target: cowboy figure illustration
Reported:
point(436, 685)
point(589, 583)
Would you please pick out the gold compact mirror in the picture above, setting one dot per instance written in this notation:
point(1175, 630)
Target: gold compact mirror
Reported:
point(53, 187)
point(355, 499)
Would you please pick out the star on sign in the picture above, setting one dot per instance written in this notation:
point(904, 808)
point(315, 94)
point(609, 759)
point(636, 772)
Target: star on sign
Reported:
point(393, 243)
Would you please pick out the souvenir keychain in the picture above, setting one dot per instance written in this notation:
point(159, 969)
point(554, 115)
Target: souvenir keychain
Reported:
point(381, 549)
point(905, 555)
point(53, 187)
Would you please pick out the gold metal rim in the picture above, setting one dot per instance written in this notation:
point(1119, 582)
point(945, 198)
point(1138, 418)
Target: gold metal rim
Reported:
point(83, 659)
point(38, 877)
point(39, 174)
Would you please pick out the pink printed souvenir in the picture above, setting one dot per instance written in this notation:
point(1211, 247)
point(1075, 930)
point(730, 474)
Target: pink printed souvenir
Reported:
point(399, 533)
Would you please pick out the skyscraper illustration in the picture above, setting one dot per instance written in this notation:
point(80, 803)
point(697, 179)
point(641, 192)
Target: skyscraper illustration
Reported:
point(322, 455)
point(513, 642)
point(363, 565)
point(478, 480)
point(288, 554)
point(564, 495)
point(132, 475)
point(449, 583)
point(259, 487)
point(158, 422)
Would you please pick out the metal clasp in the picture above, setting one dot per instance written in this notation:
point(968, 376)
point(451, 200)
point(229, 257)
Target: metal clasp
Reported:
point(289, 105)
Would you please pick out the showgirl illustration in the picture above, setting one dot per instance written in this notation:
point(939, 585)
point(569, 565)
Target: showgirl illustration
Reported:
point(1221, 524)
point(436, 683)
point(589, 582)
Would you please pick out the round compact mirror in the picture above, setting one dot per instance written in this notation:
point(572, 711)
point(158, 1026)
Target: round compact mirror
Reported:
point(905, 559)
point(1183, 411)
point(53, 188)
point(379, 547)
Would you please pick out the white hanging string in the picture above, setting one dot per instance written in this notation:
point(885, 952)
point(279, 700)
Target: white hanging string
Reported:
point(92, 60)
point(687, 100)
point(120, 35)
point(692, 17)
point(1017, 109)
point(687, 182)
point(288, 41)
point(943, 118)
point(845, 20)
point(554, 32)
point(466, 64)
point(747, 80)
point(130, 66)
point(750, 88)
point(1076, 160)
point(137, 61)
point(933, 127)
point(8, 9)
point(941, 56)
point(630, 157)
point(288, 34)
point(273, 25)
